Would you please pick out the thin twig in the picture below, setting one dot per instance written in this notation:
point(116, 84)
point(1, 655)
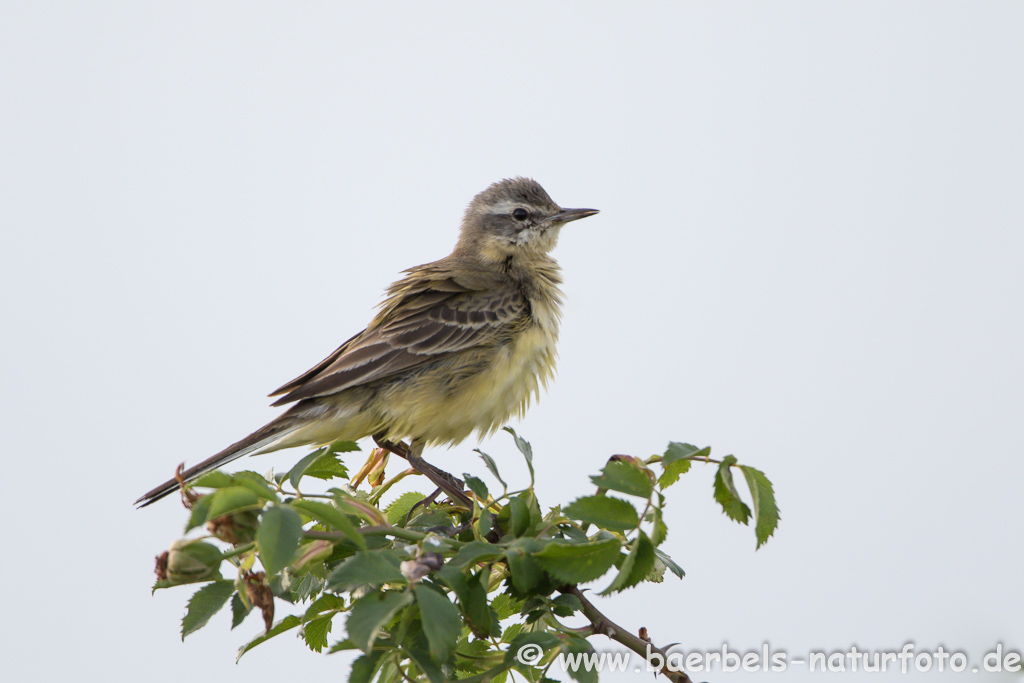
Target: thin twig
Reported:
point(609, 628)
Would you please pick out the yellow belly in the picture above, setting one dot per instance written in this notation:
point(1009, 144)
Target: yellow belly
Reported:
point(439, 410)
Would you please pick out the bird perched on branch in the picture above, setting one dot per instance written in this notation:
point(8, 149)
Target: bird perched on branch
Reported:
point(459, 345)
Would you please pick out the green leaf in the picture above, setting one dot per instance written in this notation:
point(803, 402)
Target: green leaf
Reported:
point(477, 486)
point(660, 532)
point(206, 602)
point(286, 624)
point(331, 517)
point(199, 513)
point(214, 480)
point(371, 613)
point(670, 563)
point(580, 647)
point(476, 551)
point(726, 495)
point(566, 605)
point(525, 570)
point(682, 451)
point(677, 461)
point(763, 496)
point(524, 447)
point(505, 605)
point(315, 632)
point(278, 537)
point(366, 568)
point(441, 622)
point(238, 611)
point(579, 562)
point(399, 508)
point(256, 483)
point(419, 652)
point(297, 470)
point(605, 512)
point(230, 499)
point(364, 667)
point(492, 466)
point(635, 567)
point(472, 598)
point(547, 641)
point(624, 478)
point(515, 517)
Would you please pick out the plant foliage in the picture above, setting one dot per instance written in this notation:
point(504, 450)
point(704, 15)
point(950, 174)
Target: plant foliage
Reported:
point(434, 591)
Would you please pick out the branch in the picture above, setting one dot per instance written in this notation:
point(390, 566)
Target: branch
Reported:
point(609, 628)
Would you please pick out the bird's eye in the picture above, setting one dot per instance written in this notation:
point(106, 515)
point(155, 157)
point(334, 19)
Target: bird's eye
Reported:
point(520, 214)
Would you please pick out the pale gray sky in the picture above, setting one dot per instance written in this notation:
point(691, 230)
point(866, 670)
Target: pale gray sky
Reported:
point(809, 255)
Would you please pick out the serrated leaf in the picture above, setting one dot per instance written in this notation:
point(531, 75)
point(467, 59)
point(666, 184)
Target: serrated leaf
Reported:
point(670, 563)
point(331, 517)
point(315, 632)
point(239, 611)
point(547, 641)
point(726, 495)
point(624, 478)
point(366, 568)
point(399, 508)
point(477, 486)
point(214, 480)
point(579, 562)
point(515, 517)
point(524, 447)
point(230, 499)
point(581, 648)
point(206, 602)
point(360, 508)
point(371, 613)
point(419, 652)
point(762, 494)
point(256, 483)
point(364, 666)
point(199, 513)
point(682, 451)
point(660, 531)
point(605, 512)
point(492, 466)
point(441, 622)
point(472, 598)
point(505, 605)
point(286, 624)
point(278, 537)
point(677, 461)
point(328, 467)
point(566, 605)
point(525, 570)
point(476, 551)
point(635, 567)
point(297, 470)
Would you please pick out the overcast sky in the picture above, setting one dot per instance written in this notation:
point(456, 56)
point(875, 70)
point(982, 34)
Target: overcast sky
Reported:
point(809, 255)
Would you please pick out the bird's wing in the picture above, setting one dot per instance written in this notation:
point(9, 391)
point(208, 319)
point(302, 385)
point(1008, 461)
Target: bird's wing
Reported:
point(423, 320)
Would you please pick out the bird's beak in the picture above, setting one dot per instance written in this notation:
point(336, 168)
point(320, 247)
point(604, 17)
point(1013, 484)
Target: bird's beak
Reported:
point(566, 215)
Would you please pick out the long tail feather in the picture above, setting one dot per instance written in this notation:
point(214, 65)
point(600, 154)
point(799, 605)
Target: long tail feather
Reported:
point(266, 436)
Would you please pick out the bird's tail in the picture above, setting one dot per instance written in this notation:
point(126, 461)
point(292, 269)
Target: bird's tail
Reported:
point(266, 438)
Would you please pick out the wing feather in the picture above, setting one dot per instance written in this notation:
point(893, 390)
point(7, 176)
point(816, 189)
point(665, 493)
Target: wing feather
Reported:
point(424, 320)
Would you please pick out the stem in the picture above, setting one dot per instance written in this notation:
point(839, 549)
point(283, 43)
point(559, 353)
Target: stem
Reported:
point(240, 550)
point(381, 530)
point(609, 628)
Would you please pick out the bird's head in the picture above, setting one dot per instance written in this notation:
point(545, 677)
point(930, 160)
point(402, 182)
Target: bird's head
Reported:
point(514, 217)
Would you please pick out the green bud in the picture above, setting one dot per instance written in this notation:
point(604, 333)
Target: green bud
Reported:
point(191, 561)
point(311, 555)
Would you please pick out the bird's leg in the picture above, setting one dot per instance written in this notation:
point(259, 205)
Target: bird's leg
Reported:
point(448, 483)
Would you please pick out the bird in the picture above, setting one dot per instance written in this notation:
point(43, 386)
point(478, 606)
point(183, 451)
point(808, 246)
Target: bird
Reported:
point(458, 345)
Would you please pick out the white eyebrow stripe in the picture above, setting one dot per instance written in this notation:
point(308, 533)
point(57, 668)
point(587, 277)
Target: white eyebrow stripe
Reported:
point(503, 207)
